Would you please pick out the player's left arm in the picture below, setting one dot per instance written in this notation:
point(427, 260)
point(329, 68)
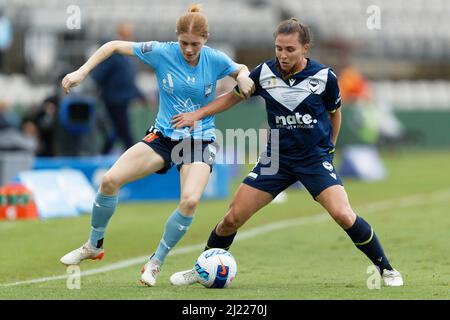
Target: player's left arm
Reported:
point(332, 102)
point(245, 83)
point(220, 104)
point(335, 119)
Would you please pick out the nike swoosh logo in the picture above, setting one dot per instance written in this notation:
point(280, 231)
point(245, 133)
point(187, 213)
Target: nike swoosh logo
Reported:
point(224, 270)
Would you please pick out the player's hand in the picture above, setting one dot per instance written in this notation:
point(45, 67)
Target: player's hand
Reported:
point(246, 86)
point(72, 80)
point(182, 120)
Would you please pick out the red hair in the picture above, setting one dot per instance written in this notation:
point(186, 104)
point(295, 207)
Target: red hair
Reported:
point(193, 21)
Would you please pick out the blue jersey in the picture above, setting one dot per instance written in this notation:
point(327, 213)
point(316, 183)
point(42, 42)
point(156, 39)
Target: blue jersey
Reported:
point(182, 87)
point(298, 107)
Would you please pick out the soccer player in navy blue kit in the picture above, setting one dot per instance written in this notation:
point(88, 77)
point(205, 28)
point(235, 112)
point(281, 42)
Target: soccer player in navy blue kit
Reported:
point(187, 72)
point(303, 103)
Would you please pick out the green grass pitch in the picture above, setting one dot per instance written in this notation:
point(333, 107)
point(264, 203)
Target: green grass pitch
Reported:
point(286, 251)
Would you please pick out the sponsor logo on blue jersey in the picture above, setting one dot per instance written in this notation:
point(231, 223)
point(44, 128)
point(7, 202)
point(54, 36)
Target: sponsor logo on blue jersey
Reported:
point(168, 83)
point(190, 80)
point(208, 89)
point(295, 121)
point(146, 47)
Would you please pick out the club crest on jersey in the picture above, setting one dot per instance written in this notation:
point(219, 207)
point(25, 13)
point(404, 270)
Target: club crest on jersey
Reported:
point(208, 89)
point(146, 47)
point(313, 85)
point(327, 166)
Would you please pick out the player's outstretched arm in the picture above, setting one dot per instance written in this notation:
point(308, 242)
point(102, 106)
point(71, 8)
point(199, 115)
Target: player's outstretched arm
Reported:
point(220, 104)
point(73, 79)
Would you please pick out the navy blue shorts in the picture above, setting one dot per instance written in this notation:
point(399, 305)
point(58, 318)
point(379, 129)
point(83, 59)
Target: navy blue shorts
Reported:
point(180, 152)
point(315, 177)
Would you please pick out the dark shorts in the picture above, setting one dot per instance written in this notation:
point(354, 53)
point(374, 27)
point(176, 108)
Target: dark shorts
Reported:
point(181, 151)
point(315, 177)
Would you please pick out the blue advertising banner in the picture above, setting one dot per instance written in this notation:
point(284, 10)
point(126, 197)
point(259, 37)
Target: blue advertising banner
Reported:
point(155, 187)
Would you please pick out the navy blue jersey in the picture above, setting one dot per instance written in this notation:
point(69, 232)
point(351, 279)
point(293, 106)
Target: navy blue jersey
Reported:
point(298, 107)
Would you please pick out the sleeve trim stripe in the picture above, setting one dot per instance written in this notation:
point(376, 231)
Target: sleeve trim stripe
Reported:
point(236, 92)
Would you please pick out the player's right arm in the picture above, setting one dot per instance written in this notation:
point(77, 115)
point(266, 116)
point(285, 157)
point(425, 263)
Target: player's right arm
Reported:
point(105, 51)
point(222, 103)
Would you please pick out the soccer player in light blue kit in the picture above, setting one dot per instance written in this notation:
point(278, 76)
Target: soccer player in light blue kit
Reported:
point(187, 73)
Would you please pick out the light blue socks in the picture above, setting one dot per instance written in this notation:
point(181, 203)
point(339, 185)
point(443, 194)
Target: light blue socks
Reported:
point(102, 211)
point(176, 227)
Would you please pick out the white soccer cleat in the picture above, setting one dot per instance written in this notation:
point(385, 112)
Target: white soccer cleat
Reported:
point(184, 278)
point(149, 272)
point(392, 278)
point(87, 251)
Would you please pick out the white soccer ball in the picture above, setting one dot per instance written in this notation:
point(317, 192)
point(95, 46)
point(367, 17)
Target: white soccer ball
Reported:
point(215, 268)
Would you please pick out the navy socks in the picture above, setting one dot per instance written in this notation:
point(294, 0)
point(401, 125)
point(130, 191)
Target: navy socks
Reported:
point(216, 241)
point(366, 240)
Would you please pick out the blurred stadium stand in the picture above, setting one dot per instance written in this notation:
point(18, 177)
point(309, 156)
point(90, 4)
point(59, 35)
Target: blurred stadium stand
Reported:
point(411, 28)
point(414, 40)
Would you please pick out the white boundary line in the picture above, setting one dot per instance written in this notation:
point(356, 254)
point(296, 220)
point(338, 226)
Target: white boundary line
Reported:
point(402, 202)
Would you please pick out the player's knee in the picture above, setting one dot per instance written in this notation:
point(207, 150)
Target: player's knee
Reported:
point(344, 216)
point(232, 220)
point(188, 204)
point(110, 184)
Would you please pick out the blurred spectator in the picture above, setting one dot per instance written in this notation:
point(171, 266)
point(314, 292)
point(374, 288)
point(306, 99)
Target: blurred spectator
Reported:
point(41, 125)
point(5, 36)
point(362, 117)
point(11, 138)
point(115, 78)
point(354, 87)
point(368, 120)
